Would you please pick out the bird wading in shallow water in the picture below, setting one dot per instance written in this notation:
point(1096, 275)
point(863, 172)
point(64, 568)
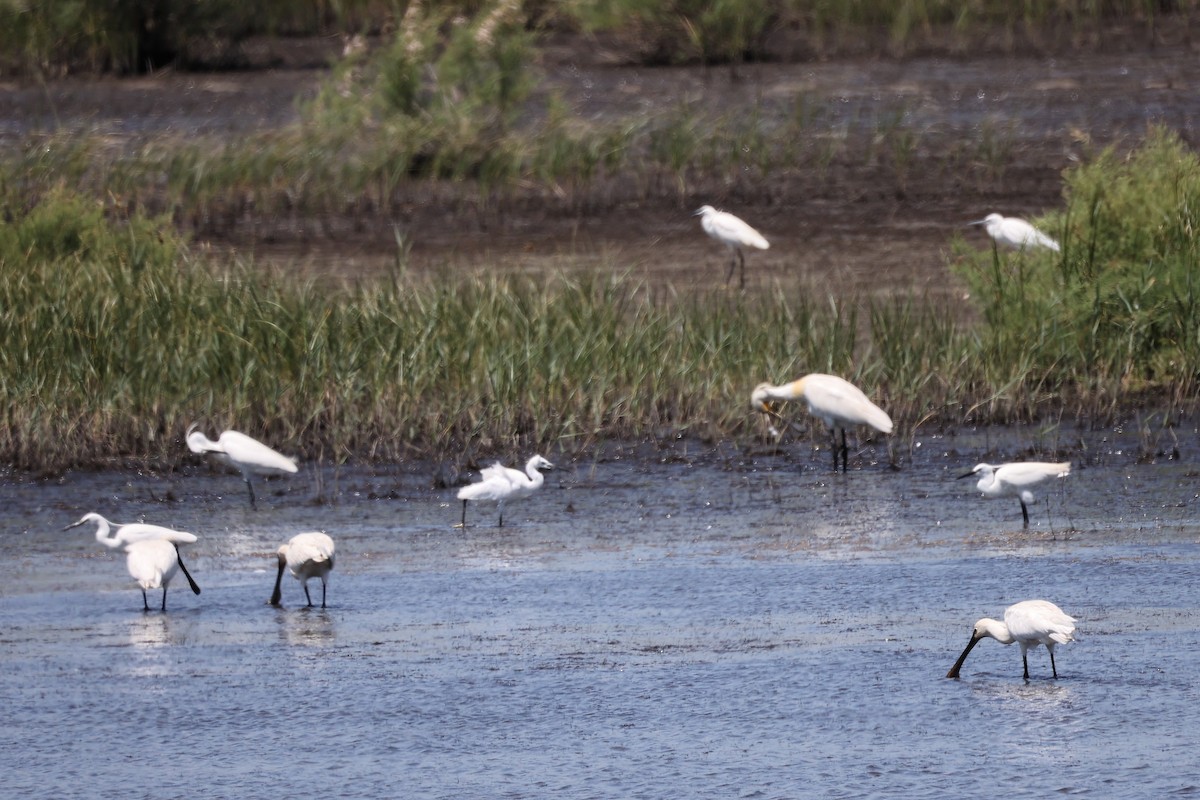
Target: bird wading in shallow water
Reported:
point(306, 555)
point(836, 402)
point(1028, 623)
point(499, 483)
point(1015, 234)
point(734, 234)
point(151, 552)
point(1016, 479)
point(248, 456)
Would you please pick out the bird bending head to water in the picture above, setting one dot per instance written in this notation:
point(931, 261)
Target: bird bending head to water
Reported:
point(307, 555)
point(836, 402)
point(1029, 623)
point(248, 456)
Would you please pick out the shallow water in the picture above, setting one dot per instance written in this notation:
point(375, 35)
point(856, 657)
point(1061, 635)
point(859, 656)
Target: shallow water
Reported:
point(745, 625)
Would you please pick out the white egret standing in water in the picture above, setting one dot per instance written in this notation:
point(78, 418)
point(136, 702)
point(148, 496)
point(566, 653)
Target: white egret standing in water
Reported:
point(307, 555)
point(1016, 479)
point(836, 402)
point(153, 563)
point(248, 456)
point(1028, 623)
point(734, 234)
point(499, 483)
point(1015, 234)
point(121, 536)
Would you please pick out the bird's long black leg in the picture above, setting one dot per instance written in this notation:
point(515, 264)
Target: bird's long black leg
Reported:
point(500, 508)
point(164, 603)
point(742, 274)
point(322, 594)
point(1024, 512)
point(845, 452)
point(1053, 668)
point(732, 267)
point(464, 517)
point(1025, 661)
point(145, 602)
point(306, 597)
point(250, 486)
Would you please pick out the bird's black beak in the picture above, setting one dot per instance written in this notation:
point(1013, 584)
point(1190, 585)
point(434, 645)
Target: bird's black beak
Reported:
point(965, 475)
point(953, 673)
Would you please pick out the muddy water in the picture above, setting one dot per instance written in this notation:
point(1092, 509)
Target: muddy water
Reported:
point(741, 624)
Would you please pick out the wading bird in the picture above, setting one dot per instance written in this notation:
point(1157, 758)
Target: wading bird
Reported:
point(1029, 623)
point(1015, 234)
point(499, 483)
point(152, 551)
point(307, 555)
point(153, 563)
point(836, 402)
point(124, 535)
point(1016, 479)
point(734, 234)
point(244, 454)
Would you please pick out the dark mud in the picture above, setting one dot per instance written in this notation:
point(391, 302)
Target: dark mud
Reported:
point(852, 228)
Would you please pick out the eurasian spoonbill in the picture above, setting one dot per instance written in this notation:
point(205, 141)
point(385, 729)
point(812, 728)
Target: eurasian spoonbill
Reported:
point(153, 563)
point(734, 234)
point(499, 483)
point(248, 456)
point(1015, 234)
point(307, 555)
point(1016, 479)
point(836, 402)
point(1029, 623)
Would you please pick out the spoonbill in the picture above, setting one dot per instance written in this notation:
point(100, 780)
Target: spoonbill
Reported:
point(1029, 623)
point(1016, 479)
point(153, 563)
point(307, 555)
point(836, 402)
point(248, 456)
point(499, 483)
point(122, 536)
point(1015, 234)
point(734, 234)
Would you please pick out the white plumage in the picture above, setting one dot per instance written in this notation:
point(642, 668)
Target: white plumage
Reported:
point(1015, 234)
point(833, 400)
point(1029, 623)
point(248, 456)
point(124, 535)
point(1016, 479)
point(306, 555)
point(734, 234)
point(499, 483)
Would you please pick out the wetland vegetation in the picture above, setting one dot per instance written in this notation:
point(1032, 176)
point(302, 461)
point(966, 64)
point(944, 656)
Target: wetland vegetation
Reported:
point(118, 331)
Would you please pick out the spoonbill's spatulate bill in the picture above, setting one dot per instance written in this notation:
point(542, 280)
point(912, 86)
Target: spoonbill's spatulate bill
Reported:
point(499, 483)
point(1028, 623)
point(734, 234)
point(1015, 234)
point(306, 555)
point(836, 402)
point(1016, 479)
point(248, 456)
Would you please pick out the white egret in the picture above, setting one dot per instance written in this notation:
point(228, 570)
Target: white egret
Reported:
point(499, 483)
point(1015, 234)
point(1016, 479)
point(248, 456)
point(307, 555)
point(1029, 623)
point(124, 535)
point(153, 563)
point(734, 234)
point(836, 402)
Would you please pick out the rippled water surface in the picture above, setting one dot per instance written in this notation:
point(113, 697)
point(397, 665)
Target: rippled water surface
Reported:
point(746, 626)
